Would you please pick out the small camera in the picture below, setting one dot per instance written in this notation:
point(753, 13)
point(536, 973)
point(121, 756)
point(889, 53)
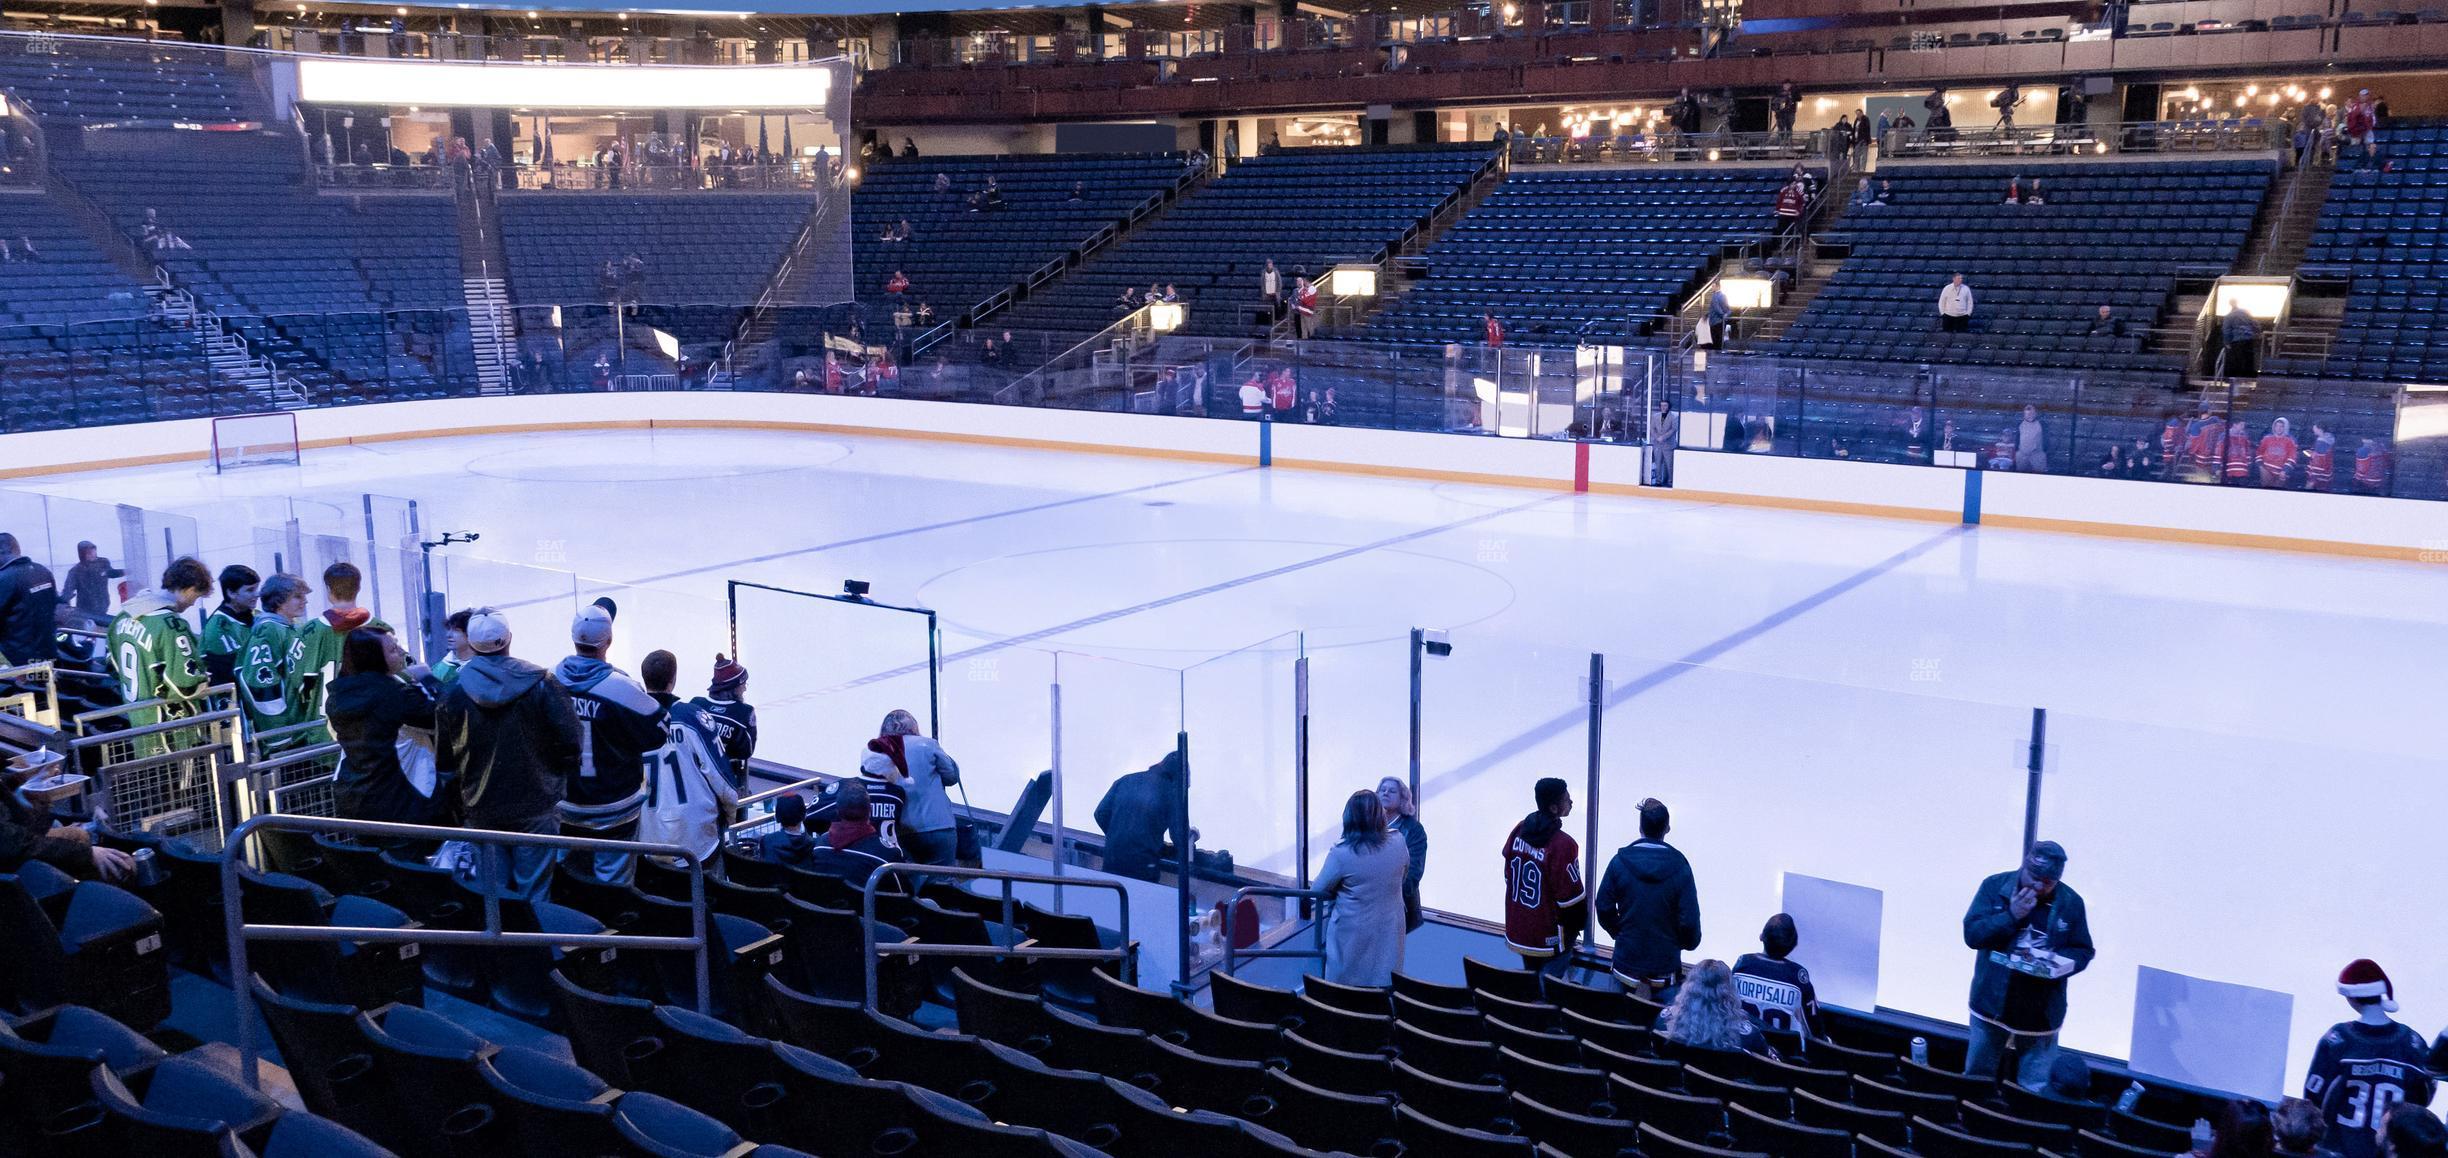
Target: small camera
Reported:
point(1436, 643)
point(855, 588)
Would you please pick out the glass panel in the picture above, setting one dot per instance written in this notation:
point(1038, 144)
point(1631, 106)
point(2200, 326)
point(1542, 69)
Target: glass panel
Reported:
point(1241, 711)
point(1495, 716)
point(828, 670)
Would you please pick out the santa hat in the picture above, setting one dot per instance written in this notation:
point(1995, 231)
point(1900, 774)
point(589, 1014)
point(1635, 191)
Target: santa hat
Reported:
point(2364, 979)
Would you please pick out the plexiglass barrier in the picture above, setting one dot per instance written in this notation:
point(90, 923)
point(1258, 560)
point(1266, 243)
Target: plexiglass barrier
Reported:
point(829, 668)
point(135, 540)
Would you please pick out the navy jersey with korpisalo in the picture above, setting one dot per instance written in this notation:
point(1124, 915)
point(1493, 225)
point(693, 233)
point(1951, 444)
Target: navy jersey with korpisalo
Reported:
point(2361, 1072)
point(885, 804)
point(1776, 993)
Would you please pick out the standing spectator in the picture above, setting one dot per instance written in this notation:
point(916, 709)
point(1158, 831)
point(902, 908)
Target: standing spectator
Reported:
point(1270, 289)
point(29, 606)
point(689, 798)
point(1494, 330)
point(622, 723)
point(509, 734)
point(2032, 933)
point(1791, 201)
point(2298, 1127)
point(1886, 121)
point(725, 711)
point(2242, 342)
point(1776, 992)
point(1840, 140)
point(1253, 397)
point(887, 797)
point(854, 844)
point(1650, 905)
point(456, 651)
point(1304, 306)
point(1138, 814)
point(226, 629)
point(1955, 306)
point(2362, 126)
point(1861, 137)
point(1402, 819)
point(1706, 1020)
point(1720, 318)
point(88, 583)
point(2237, 460)
point(1783, 106)
point(2320, 460)
point(319, 638)
point(2031, 443)
point(1364, 880)
point(929, 834)
point(1665, 434)
point(2362, 1066)
point(789, 843)
point(909, 148)
point(384, 774)
point(2371, 467)
point(2311, 132)
point(1544, 892)
point(271, 675)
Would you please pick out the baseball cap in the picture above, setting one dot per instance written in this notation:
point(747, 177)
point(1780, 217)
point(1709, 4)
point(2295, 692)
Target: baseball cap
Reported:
point(2047, 860)
point(592, 628)
point(488, 632)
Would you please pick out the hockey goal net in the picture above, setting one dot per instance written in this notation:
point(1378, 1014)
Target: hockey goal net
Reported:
point(254, 440)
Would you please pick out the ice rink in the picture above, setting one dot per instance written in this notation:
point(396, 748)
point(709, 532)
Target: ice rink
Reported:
point(2243, 760)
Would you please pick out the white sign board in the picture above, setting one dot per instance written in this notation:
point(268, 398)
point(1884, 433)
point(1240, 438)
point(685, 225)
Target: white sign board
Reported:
point(2211, 1033)
point(1839, 927)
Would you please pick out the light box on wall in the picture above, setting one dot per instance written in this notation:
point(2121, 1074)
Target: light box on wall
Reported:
point(2262, 298)
point(561, 86)
point(1748, 293)
point(1351, 281)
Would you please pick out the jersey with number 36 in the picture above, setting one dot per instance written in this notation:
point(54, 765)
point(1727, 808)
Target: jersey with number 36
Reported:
point(2361, 1072)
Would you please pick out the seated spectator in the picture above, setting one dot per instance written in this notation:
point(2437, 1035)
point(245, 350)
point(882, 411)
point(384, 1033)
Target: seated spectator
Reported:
point(1885, 194)
point(1707, 1017)
point(883, 788)
point(1154, 294)
point(2069, 1079)
point(1776, 991)
point(896, 285)
point(993, 194)
point(2014, 190)
point(1079, 191)
point(2032, 195)
point(853, 847)
point(26, 250)
point(1127, 302)
point(2242, 1130)
point(26, 833)
point(1171, 294)
point(943, 182)
point(789, 844)
point(2105, 324)
point(2413, 1133)
point(925, 313)
point(2297, 1128)
point(902, 232)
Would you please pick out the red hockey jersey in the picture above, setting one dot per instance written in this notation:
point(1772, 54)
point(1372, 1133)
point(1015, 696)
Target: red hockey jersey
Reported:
point(1542, 883)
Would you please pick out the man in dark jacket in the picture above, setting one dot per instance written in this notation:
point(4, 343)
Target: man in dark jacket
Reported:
point(621, 723)
point(29, 606)
point(1138, 814)
point(509, 733)
point(89, 583)
point(851, 847)
point(789, 843)
point(2032, 933)
point(1650, 905)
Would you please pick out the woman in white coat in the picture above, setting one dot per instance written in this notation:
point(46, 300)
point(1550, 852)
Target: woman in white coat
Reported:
point(1363, 880)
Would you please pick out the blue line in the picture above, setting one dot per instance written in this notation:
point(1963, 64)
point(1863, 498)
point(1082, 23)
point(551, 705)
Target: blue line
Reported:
point(1661, 675)
point(1972, 498)
point(1266, 443)
point(1183, 597)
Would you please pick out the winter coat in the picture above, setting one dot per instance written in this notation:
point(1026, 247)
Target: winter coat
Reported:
point(1415, 843)
point(930, 773)
point(29, 611)
point(1364, 933)
point(1138, 813)
point(1990, 928)
point(367, 711)
point(512, 737)
point(1649, 903)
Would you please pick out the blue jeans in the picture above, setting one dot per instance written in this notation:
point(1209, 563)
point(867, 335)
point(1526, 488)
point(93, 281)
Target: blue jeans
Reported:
point(1988, 1049)
point(530, 865)
point(604, 822)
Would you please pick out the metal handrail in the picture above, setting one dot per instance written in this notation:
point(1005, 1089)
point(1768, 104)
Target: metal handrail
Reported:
point(239, 932)
point(1120, 953)
point(741, 809)
point(1232, 911)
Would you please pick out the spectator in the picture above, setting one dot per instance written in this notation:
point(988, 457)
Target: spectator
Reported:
point(1138, 813)
point(943, 182)
point(1783, 106)
point(1955, 306)
point(1127, 303)
point(1776, 991)
point(2005, 102)
point(1544, 913)
point(1861, 137)
point(510, 736)
point(1650, 905)
point(2070, 1081)
point(319, 639)
point(1885, 122)
point(2366, 1063)
point(1363, 881)
point(2298, 1128)
point(2242, 341)
point(1079, 192)
point(1154, 294)
point(26, 834)
point(725, 711)
point(1253, 397)
point(993, 194)
point(1706, 1020)
point(1493, 329)
point(1171, 294)
point(854, 844)
point(226, 629)
point(88, 583)
point(2014, 190)
point(1840, 140)
point(29, 607)
point(385, 773)
point(2237, 457)
point(2371, 467)
point(1885, 194)
point(2411, 1132)
point(2105, 324)
point(2242, 1131)
point(1402, 818)
point(2032, 194)
point(1791, 201)
point(909, 149)
point(789, 843)
point(887, 797)
point(2031, 443)
point(622, 723)
point(2140, 460)
point(2311, 134)
point(1720, 319)
point(896, 286)
point(689, 797)
point(1304, 307)
point(2362, 126)
point(1665, 434)
point(929, 833)
point(456, 651)
point(2320, 460)
point(271, 681)
point(1270, 288)
point(2031, 932)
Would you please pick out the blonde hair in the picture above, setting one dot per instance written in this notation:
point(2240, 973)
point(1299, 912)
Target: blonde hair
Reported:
point(1707, 1012)
point(898, 722)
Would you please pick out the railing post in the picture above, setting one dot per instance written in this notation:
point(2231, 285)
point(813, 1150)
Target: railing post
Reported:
point(1597, 745)
point(2031, 789)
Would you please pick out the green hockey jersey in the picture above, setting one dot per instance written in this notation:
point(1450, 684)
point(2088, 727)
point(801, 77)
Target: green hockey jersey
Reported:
point(320, 641)
point(225, 639)
point(270, 675)
point(154, 653)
